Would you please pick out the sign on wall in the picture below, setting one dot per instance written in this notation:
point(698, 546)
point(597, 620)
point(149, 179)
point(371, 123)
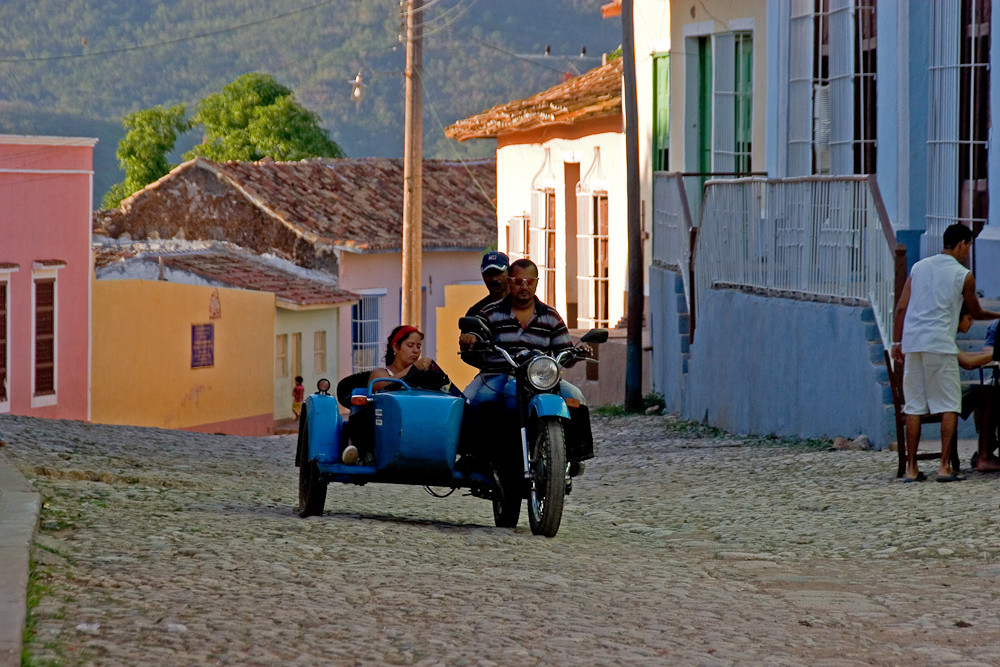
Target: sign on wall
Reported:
point(202, 345)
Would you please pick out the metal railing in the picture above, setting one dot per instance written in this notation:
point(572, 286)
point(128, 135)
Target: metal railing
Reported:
point(672, 227)
point(812, 238)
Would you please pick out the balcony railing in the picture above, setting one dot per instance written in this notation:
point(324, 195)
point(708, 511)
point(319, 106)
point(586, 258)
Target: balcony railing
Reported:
point(813, 238)
point(672, 227)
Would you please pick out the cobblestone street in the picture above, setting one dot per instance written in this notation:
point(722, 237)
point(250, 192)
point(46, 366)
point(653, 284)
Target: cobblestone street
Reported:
point(678, 546)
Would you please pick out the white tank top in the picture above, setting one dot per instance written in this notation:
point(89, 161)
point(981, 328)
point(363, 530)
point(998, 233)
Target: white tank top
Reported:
point(931, 321)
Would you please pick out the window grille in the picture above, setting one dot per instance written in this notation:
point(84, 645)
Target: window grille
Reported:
point(593, 247)
point(733, 96)
point(541, 241)
point(800, 89)
point(959, 118)
point(366, 339)
point(832, 113)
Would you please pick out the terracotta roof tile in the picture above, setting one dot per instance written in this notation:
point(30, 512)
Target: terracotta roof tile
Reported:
point(231, 266)
point(593, 94)
point(356, 203)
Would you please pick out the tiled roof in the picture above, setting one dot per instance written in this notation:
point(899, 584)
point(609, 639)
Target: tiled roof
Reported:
point(356, 203)
point(593, 94)
point(228, 265)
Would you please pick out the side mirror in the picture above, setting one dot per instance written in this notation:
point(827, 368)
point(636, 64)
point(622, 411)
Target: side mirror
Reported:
point(476, 326)
point(595, 336)
point(323, 386)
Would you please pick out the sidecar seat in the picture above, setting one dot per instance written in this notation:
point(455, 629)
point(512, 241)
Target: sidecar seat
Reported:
point(347, 386)
point(359, 427)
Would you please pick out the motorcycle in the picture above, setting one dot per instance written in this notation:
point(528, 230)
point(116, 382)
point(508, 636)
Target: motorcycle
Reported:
point(540, 438)
point(433, 439)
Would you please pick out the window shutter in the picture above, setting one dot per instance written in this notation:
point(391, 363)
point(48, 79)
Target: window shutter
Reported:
point(942, 120)
point(661, 112)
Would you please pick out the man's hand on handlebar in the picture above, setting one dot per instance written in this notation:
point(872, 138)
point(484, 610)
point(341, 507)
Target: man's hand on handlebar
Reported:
point(466, 341)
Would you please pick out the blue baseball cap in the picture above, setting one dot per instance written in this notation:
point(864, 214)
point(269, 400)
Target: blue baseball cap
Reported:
point(495, 261)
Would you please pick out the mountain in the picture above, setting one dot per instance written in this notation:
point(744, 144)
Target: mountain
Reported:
point(75, 67)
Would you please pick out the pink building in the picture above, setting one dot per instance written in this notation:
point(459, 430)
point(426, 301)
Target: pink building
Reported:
point(45, 275)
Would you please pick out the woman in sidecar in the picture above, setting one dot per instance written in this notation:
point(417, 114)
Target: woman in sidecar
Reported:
point(403, 361)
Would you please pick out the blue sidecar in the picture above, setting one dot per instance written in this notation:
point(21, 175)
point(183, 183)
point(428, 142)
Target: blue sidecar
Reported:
point(408, 436)
point(518, 439)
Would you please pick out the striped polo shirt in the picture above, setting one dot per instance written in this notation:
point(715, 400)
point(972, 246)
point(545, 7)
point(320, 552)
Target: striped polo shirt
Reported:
point(546, 330)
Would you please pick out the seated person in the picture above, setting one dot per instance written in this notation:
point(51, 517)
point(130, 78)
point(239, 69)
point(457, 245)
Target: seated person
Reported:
point(986, 460)
point(971, 360)
point(403, 361)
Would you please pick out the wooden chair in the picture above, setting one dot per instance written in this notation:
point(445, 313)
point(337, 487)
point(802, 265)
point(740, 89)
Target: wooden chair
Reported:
point(896, 385)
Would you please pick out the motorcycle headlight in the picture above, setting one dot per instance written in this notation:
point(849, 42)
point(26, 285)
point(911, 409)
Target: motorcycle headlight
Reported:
point(543, 373)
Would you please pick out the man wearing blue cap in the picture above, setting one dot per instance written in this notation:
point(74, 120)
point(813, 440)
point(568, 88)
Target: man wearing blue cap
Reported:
point(494, 268)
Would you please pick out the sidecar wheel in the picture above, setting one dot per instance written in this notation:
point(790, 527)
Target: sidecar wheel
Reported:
point(548, 483)
point(312, 490)
point(302, 444)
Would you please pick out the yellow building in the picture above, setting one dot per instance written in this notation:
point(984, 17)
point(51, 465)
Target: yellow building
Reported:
point(182, 357)
point(207, 336)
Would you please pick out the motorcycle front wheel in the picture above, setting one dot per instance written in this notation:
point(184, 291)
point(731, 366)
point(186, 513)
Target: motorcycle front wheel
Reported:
point(548, 477)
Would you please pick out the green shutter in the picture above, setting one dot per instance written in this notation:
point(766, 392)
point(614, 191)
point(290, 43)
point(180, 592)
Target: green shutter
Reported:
point(661, 112)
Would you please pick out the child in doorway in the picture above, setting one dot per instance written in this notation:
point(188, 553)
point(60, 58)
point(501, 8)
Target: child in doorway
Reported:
point(298, 395)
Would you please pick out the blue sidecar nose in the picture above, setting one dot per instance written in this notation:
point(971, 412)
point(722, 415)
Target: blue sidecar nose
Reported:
point(416, 433)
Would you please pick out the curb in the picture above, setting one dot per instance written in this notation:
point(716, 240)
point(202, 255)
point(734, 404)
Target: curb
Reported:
point(19, 508)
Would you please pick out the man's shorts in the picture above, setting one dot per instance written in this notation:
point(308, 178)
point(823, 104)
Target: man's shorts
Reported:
point(931, 383)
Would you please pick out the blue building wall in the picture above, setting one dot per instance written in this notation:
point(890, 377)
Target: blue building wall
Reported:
point(668, 324)
point(901, 162)
point(764, 365)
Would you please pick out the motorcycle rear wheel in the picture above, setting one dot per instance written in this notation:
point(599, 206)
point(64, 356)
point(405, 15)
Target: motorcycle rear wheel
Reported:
point(548, 477)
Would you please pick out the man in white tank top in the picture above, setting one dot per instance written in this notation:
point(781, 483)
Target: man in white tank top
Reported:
point(924, 327)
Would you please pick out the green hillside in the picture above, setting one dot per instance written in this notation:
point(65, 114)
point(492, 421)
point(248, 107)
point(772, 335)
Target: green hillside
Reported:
point(75, 67)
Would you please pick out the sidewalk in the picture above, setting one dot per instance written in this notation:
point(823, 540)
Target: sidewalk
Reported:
point(19, 505)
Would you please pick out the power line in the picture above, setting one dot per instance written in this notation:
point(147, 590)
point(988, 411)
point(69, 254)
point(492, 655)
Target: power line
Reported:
point(505, 51)
point(461, 160)
point(168, 42)
point(445, 20)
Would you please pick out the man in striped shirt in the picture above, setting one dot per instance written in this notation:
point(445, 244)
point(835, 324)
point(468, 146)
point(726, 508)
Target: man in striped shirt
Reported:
point(521, 321)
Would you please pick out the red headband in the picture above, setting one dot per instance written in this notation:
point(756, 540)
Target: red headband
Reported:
point(402, 334)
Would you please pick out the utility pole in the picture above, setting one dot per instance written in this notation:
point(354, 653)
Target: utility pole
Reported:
point(633, 348)
point(413, 189)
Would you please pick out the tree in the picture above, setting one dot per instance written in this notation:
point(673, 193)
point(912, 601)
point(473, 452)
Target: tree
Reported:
point(255, 117)
point(249, 119)
point(142, 152)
